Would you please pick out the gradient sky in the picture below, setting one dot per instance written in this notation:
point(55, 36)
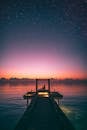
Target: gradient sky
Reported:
point(43, 38)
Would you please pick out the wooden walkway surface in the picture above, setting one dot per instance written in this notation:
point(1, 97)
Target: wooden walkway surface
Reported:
point(44, 114)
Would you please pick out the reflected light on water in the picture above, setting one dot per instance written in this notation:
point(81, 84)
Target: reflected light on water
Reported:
point(66, 110)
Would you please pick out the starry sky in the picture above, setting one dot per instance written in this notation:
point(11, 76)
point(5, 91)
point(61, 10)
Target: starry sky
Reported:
point(43, 38)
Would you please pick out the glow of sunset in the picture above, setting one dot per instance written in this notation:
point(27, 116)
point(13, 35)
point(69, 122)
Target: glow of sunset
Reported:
point(43, 41)
point(40, 65)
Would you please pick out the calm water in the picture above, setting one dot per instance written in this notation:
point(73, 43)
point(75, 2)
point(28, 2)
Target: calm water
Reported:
point(12, 104)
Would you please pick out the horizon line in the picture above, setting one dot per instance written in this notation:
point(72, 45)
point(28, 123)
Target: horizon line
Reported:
point(44, 78)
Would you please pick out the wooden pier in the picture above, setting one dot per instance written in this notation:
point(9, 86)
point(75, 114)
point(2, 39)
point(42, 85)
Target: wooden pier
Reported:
point(43, 113)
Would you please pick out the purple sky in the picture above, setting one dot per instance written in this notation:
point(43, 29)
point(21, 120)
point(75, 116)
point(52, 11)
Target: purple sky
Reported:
point(43, 39)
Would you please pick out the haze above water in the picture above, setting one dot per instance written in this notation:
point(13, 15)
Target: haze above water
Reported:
point(12, 104)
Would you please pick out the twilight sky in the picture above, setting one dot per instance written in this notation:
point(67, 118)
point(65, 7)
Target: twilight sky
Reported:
point(43, 38)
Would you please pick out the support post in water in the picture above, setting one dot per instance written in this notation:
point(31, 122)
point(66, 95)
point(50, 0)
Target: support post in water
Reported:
point(36, 85)
point(49, 85)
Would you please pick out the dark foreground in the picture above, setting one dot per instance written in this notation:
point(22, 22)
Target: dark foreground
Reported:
point(44, 114)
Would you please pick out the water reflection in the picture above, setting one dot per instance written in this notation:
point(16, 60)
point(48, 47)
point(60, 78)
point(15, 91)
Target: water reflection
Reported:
point(12, 104)
point(20, 90)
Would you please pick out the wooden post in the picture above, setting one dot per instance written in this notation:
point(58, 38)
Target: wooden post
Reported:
point(49, 85)
point(36, 85)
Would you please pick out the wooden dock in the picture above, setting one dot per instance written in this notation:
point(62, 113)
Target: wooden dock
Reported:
point(44, 113)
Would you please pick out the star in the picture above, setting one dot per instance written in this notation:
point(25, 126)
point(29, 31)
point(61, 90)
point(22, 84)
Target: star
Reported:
point(8, 18)
point(21, 13)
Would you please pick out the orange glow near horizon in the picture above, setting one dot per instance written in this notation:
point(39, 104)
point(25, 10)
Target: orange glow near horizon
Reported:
point(60, 75)
point(40, 65)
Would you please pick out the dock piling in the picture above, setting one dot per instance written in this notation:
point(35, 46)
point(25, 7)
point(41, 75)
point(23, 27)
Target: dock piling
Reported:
point(49, 85)
point(36, 85)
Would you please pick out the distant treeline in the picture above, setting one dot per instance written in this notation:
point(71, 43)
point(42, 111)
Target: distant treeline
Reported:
point(16, 81)
point(71, 81)
point(25, 81)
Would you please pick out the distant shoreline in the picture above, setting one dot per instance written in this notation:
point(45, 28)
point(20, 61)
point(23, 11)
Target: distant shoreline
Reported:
point(26, 81)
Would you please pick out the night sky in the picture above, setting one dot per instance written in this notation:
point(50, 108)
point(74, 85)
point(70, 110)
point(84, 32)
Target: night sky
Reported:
point(43, 38)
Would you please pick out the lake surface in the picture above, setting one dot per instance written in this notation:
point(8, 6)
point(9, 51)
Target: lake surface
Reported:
point(12, 104)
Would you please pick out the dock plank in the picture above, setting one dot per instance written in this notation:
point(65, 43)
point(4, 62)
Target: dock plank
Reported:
point(44, 114)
